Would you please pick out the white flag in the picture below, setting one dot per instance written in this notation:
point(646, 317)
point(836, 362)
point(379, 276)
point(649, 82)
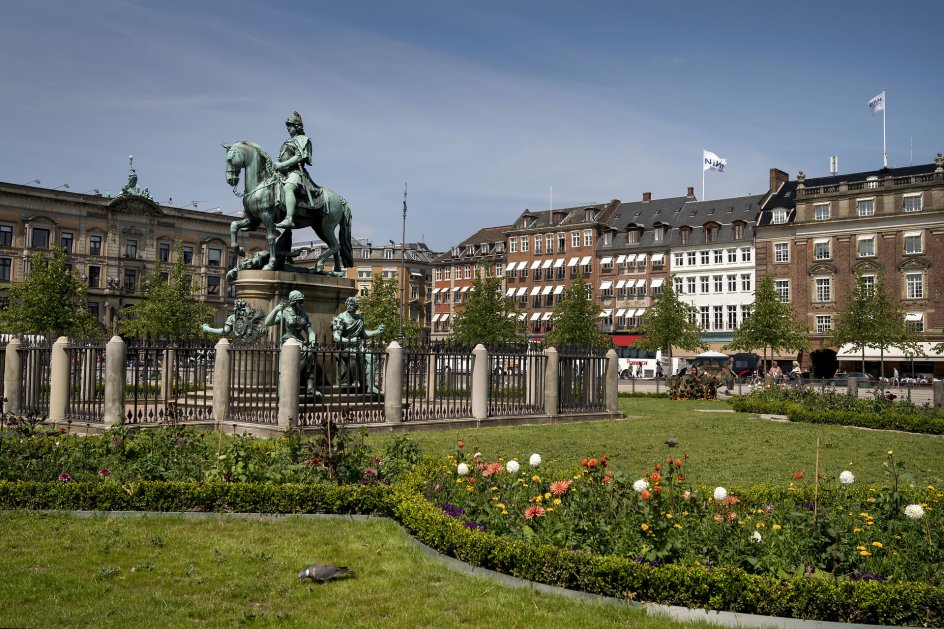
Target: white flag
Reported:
point(877, 104)
point(713, 162)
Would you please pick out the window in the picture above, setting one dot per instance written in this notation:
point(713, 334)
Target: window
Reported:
point(6, 236)
point(732, 255)
point(607, 265)
point(562, 272)
point(719, 256)
point(719, 317)
point(824, 324)
point(732, 283)
point(711, 233)
point(913, 243)
point(704, 257)
point(746, 282)
point(437, 272)
point(561, 242)
point(214, 257)
point(658, 261)
point(781, 252)
point(131, 248)
point(467, 272)
point(513, 244)
point(213, 285)
point(447, 272)
point(574, 239)
point(746, 254)
point(679, 289)
point(868, 284)
point(679, 259)
point(523, 272)
point(499, 269)
point(388, 254)
point(824, 289)
point(778, 217)
point(914, 321)
point(94, 276)
point(685, 235)
point(40, 238)
point(588, 268)
point(632, 236)
point(446, 296)
point(821, 250)
point(65, 241)
point(703, 280)
point(691, 258)
point(866, 246)
point(606, 290)
point(914, 285)
point(537, 244)
point(719, 283)
point(414, 294)
point(865, 207)
point(783, 290)
point(588, 238)
point(912, 202)
point(690, 281)
point(549, 243)
point(657, 232)
point(732, 317)
point(131, 280)
point(704, 316)
point(538, 276)
point(188, 254)
point(5, 265)
point(738, 229)
point(821, 211)
point(524, 244)
point(95, 245)
point(163, 252)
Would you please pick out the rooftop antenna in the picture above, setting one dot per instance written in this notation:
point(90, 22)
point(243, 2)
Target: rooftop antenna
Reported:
point(64, 186)
point(833, 164)
point(92, 191)
point(403, 267)
point(30, 183)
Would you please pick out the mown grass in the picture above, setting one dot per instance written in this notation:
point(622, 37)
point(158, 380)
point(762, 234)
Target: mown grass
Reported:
point(61, 570)
point(731, 449)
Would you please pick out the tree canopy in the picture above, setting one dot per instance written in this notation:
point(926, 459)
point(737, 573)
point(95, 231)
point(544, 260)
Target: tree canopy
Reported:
point(575, 319)
point(168, 308)
point(50, 300)
point(669, 322)
point(771, 325)
point(487, 316)
point(381, 306)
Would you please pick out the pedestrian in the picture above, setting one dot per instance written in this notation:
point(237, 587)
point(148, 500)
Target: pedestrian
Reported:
point(895, 377)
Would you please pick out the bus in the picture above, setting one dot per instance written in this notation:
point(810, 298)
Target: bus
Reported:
point(634, 362)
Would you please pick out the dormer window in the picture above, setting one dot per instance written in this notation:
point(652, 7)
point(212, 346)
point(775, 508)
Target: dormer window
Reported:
point(590, 214)
point(607, 238)
point(388, 254)
point(685, 235)
point(658, 231)
point(711, 232)
point(778, 216)
point(632, 234)
point(738, 228)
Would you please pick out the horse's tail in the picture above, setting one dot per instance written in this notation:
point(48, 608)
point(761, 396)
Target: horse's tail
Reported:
point(344, 235)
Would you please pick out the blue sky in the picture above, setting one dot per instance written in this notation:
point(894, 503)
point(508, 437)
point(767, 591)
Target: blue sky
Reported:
point(481, 107)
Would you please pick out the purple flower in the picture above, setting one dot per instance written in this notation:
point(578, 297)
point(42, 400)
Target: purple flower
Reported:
point(475, 526)
point(65, 478)
point(104, 472)
point(868, 576)
point(452, 510)
point(369, 473)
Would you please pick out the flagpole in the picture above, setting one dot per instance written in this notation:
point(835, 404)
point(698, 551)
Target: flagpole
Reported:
point(703, 179)
point(884, 144)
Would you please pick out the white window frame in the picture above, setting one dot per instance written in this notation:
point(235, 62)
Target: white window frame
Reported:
point(778, 216)
point(822, 250)
point(824, 324)
point(823, 290)
point(781, 252)
point(821, 211)
point(914, 285)
point(513, 244)
point(588, 238)
point(865, 207)
point(860, 240)
point(906, 197)
point(782, 287)
point(910, 237)
point(679, 258)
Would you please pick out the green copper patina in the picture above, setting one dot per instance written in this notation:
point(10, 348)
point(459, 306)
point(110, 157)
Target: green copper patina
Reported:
point(131, 188)
point(356, 364)
point(271, 191)
point(294, 324)
point(242, 324)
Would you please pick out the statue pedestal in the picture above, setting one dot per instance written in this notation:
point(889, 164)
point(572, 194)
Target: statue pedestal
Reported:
point(324, 295)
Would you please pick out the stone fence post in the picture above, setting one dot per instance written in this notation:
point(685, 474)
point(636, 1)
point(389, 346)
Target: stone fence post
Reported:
point(58, 380)
point(480, 382)
point(116, 359)
point(393, 384)
point(852, 387)
point(937, 389)
point(13, 377)
point(612, 382)
point(221, 378)
point(289, 377)
point(551, 382)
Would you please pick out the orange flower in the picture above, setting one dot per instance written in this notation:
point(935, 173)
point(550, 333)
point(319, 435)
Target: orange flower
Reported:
point(606, 479)
point(657, 489)
point(656, 477)
point(583, 462)
point(533, 512)
point(681, 477)
point(560, 487)
point(461, 444)
point(592, 463)
point(798, 474)
point(658, 467)
point(644, 494)
point(491, 468)
point(678, 462)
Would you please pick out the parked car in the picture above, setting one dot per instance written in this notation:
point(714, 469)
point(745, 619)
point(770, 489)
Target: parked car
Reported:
point(858, 376)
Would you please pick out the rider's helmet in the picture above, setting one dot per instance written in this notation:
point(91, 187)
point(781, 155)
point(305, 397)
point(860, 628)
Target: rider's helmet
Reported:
point(295, 296)
point(295, 119)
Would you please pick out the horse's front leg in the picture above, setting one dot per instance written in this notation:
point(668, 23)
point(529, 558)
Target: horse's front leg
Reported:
point(269, 224)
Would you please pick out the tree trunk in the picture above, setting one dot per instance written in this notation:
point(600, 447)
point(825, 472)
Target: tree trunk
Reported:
point(863, 359)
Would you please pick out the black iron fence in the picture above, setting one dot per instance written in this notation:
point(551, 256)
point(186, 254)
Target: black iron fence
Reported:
point(254, 382)
point(86, 393)
point(437, 382)
point(36, 357)
point(516, 381)
point(3, 380)
point(582, 379)
point(169, 381)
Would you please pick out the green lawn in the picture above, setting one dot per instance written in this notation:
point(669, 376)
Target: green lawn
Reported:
point(61, 571)
point(725, 448)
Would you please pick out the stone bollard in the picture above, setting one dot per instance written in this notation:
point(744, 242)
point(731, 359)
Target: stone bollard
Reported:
point(612, 382)
point(116, 357)
point(551, 382)
point(937, 389)
point(431, 376)
point(393, 384)
point(480, 382)
point(222, 367)
point(13, 377)
point(289, 377)
point(852, 387)
point(58, 380)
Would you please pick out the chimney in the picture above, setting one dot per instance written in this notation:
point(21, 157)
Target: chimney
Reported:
point(691, 192)
point(777, 179)
point(646, 197)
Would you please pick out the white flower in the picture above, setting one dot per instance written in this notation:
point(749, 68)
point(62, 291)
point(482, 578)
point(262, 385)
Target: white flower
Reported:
point(846, 478)
point(535, 460)
point(463, 469)
point(687, 495)
point(915, 512)
point(640, 485)
point(756, 537)
point(477, 455)
point(720, 494)
point(512, 467)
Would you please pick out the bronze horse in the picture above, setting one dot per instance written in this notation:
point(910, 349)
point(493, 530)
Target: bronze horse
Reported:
point(261, 206)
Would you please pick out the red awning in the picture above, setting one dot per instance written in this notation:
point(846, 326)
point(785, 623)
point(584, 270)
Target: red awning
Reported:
point(625, 340)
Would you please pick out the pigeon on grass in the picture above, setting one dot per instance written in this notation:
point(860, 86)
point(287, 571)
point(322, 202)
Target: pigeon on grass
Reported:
point(672, 442)
point(322, 572)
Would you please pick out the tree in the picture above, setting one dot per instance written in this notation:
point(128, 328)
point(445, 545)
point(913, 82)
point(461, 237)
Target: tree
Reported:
point(872, 318)
point(168, 308)
point(669, 322)
point(575, 319)
point(771, 325)
point(487, 317)
point(50, 300)
point(381, 306)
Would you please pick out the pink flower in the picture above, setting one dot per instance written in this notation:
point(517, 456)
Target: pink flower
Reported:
point(65, 478)
point(533, 512)
point(104, 472)
point(560, 487)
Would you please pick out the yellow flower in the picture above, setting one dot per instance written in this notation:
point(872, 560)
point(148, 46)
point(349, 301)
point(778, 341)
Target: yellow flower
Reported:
point(684, 512)
point(458, 481)
point(538, 498)
point(776, 527)
point(860, 547)
point(759, 511)
point(494, 488)
point(791, 488)
point(577, 477)
point(547, 495)
point(678, 526)
point(856, 530)
point(470, 489)
point(760, 525)
point(549, 509)
point(877, 544)
point(668, 516)
point(865, 553)
point(494, 498)
point(557, 501)
point(644, 526)
point(536, 478)
point(501, 505)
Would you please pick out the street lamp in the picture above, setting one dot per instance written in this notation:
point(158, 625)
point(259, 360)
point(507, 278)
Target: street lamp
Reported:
point(403, 303)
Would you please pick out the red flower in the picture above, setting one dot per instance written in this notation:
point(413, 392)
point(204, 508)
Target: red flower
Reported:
point(657, 489)
point(658, 467)
point(656, 477)
point(104, 472)
point(592, 463)
point(678, 463)
point(532, 512)
point(461, 444)
point(583, 462)
point(798, 474)
point(644, 494)
point(606, 479)
point(681, 477)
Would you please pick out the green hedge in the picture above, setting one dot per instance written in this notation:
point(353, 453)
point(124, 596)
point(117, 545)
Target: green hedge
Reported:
point(722, 588)
point(927, 424)
point(643, 394)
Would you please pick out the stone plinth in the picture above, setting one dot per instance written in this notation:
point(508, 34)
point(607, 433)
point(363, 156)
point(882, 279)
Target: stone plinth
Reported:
point(324, 295)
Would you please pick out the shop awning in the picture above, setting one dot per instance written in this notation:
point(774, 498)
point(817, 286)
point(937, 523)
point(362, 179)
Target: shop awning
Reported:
point(573, 261)
point(511, 267)
point(606, 260)
point(621, 312)
point(547, 290)
point(656, 283)
point(605, 285)
point(631, 258)
point(547, 264)
point(521, 291)
point(585, 261)
point(606, 312)
point(558, 289)
point(436, 317)
point(547, 316)
point(535, 291)
point(558, 263)
point(620, 284)
point(535, 316)
point(536, 265)
point(620, 259)
point(624, 340)
point(510, 292)
point(657, 258)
